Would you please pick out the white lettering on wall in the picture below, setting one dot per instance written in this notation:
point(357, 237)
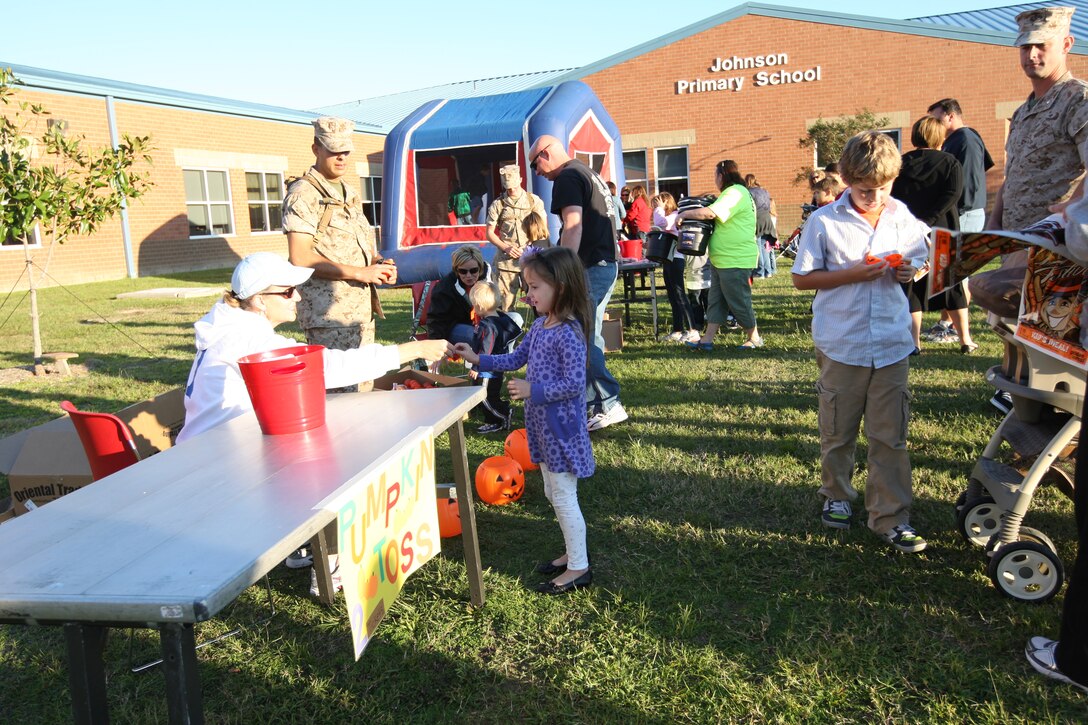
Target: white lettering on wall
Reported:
point(737, 82)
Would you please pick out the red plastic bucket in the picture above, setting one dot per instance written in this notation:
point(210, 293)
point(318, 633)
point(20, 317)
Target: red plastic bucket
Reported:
point(287, 387)
point(631, 248)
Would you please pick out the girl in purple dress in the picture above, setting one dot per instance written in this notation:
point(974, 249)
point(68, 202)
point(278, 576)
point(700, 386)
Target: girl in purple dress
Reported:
point(554, 394)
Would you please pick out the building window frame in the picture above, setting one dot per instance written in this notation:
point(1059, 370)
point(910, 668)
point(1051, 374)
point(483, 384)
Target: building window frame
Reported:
point(645, 165)
point(209, 204)
point(34, 243)
point(686, 178)
point(370, 195)
point(265, 204)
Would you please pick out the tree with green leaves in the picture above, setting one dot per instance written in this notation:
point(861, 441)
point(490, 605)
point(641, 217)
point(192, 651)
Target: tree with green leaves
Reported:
point(53, 186)
point(828, 137)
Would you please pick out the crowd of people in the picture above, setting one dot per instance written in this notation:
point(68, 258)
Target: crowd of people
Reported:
point(864, 249)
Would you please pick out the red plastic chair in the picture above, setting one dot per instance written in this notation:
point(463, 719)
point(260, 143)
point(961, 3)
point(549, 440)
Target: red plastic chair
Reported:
point(421, 303)
point(106, 439)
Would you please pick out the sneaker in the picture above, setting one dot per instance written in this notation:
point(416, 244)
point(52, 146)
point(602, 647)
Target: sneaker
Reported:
point(1002, 401)
point(615, 414)
point(692, 336)
point(836, 514)
point(905, 539)
point(940, 328)
point(944, 337)
point(731, 322)
point(337, 585)
point(1040, 652)
point(493, 427)
point(676, 336)
point(300, 559)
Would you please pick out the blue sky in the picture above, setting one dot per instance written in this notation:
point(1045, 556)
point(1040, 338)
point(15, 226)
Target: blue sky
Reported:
point(296, 55)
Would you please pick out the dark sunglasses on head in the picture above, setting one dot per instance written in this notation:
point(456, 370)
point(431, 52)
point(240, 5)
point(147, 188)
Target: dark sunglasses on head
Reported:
point(285, 294)
point(473, 270)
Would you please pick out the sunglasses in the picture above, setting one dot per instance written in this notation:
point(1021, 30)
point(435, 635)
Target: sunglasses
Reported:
point(285, 294)
point(465, 272)
point(532, 163)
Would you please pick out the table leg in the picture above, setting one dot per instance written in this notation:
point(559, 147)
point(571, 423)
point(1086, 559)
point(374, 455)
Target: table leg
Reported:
point(86, 672)
point(319, 545)
point(469, 540)
point(183, 697)
point(628, 296)
point(653, 297)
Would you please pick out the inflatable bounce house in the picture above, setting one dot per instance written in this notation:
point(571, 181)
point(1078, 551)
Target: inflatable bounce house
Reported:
point(442, 167)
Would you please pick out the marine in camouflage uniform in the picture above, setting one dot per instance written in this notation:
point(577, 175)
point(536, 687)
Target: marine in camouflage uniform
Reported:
point(506, 231)
point(1042, 159)
point(338, 307)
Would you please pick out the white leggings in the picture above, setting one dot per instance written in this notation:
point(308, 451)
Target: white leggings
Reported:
point(562, 491)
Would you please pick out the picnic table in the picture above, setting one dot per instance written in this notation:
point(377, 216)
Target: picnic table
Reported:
point(174, 539)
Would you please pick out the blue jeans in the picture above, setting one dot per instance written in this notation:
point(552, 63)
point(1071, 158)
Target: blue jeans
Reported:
point(461, 333)
point(602, 390)
point(972, 220)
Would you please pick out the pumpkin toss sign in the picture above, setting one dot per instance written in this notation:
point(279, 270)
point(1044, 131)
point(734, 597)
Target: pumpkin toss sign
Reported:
point(388, 528)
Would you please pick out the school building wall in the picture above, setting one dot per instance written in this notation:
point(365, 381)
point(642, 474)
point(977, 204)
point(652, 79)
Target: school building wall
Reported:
point(895, 75)
point(158, 221)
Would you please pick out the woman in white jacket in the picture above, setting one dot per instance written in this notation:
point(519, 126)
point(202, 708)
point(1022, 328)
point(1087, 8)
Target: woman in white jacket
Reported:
point(262, 296)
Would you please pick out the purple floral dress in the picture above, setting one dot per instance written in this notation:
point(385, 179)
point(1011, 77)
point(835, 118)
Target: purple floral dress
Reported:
point(555, 413)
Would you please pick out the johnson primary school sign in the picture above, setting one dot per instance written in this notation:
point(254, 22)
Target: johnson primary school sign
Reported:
point(770, 73)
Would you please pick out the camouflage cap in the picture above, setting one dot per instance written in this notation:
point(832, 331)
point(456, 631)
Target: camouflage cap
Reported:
point(334, 133)
point(1041, 24)
point(511, 176)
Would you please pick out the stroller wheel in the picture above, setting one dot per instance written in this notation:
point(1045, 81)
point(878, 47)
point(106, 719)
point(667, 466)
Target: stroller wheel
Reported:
point(1026, 534)
point(978, 520)
point(1027, 571)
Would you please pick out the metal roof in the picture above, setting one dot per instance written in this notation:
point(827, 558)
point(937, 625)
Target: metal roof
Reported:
point(50, 80)
point(1004, 18)
point(385, 112)
point(998, 29)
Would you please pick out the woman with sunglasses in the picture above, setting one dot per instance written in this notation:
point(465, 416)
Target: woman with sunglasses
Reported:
point(450, 315)
point(263, 295)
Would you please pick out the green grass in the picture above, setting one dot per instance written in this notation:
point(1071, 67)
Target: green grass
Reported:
point(718, 595)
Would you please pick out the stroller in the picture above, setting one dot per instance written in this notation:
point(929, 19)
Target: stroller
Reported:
point(789, 248)
point(1041, 434)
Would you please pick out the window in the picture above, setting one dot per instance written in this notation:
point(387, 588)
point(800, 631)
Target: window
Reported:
point(35, 239)
point(894, 134)
point(593, 161)
point(207, 200)
point(264, 194)
point(634, 167)
point(444, 177)
point(371, 187)
point(672, 171)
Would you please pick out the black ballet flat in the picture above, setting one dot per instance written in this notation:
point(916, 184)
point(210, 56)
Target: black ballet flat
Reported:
point(547, 568)
point(552, 589)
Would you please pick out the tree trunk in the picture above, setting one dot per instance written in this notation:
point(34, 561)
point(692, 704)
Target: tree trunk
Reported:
point(39, 367)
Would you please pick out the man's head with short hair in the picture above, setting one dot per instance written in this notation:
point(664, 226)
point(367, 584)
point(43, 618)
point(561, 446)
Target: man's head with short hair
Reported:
point(927, 133)
point(611, 187)
point(484, 298)
point(825, 190)
point(947, 111)
point(870, 157)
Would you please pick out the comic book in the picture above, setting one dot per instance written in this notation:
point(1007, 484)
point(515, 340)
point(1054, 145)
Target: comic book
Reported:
point(1055, 285)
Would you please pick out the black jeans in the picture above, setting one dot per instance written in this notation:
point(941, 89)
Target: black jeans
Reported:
point(682, 319)
point(1072, 654)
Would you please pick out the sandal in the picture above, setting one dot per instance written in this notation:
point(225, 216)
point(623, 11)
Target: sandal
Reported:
point(751, 344)
point(699, 346)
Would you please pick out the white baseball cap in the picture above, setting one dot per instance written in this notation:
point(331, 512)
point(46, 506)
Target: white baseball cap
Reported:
point(259, 271)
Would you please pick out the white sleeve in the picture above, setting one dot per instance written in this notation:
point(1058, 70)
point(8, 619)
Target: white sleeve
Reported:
point(348, 367)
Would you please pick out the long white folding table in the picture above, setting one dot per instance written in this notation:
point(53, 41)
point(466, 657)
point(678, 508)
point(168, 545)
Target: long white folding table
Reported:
point(174, 539)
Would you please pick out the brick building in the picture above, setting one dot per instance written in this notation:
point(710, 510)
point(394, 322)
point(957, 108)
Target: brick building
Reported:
point(744, 84)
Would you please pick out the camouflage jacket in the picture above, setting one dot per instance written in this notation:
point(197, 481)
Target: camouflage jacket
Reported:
point(349, 239)
point(1042, 157)
point(506, 214)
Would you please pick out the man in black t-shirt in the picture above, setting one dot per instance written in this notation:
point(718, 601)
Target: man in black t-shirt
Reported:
point(967, 146)
point(587, 219)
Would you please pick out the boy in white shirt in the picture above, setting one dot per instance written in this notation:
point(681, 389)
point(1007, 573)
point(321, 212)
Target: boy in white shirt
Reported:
point(862, 334)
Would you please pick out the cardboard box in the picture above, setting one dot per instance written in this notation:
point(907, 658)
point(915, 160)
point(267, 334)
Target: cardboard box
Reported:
point(48, 461)
point(387, 382)
point(612, 332)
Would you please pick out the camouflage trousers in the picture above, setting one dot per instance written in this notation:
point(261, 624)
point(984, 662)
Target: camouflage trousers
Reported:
point(506, 273)
point(344, 338)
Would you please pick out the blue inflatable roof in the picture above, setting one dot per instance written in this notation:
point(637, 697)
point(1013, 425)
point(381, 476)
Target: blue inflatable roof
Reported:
point(478, 121)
